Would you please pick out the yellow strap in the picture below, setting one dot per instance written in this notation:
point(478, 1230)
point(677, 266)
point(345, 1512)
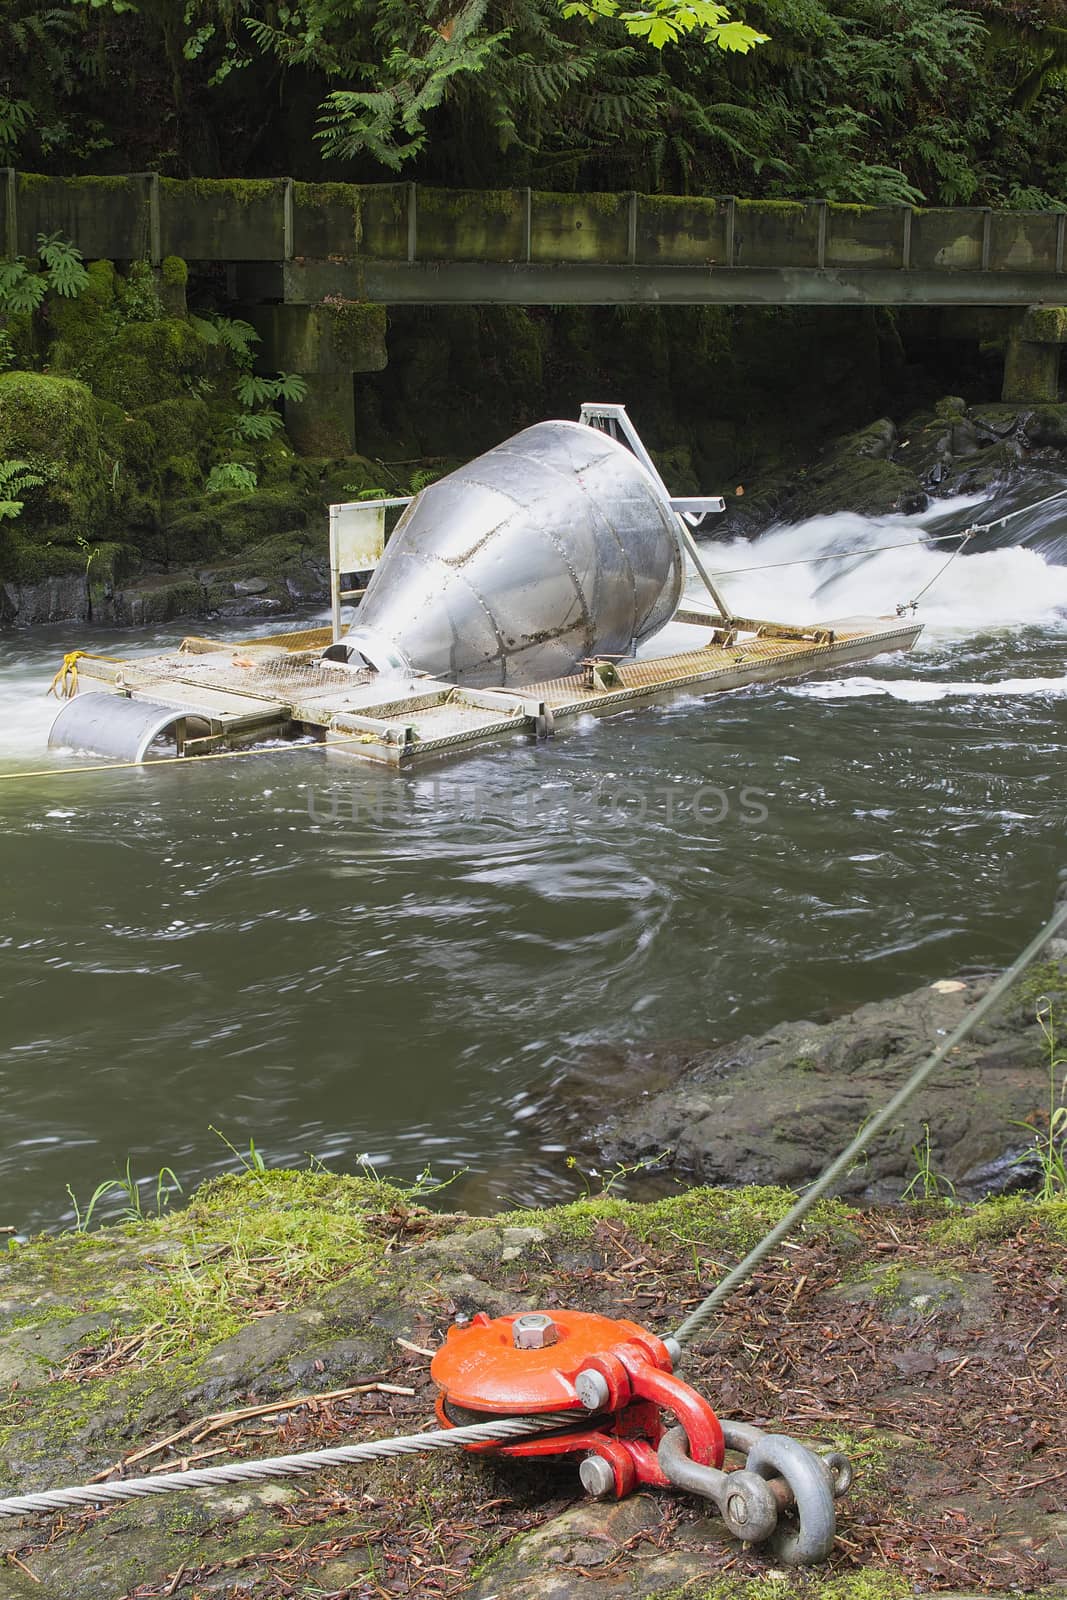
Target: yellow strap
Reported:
point(65, 683)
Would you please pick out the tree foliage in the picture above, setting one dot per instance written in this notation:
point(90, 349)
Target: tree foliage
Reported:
point(935, 101)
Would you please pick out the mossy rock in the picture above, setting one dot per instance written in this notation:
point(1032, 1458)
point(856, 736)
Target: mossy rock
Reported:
point(26, 558)
point(52, 423)
point(203, 529)
point(1047, 428)
point(88, 316)
point(181, 426)
point(145, 362)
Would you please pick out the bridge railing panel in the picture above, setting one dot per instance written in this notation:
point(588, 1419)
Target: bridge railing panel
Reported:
point(689, 232)
point(580, 227)
point(105, 217)
point(223, 219)
point(948, 238)
point(470, 225)
point(327, 220)
point(1024, 241)
point(865, 236)
point(386, 214)
point(776, 233)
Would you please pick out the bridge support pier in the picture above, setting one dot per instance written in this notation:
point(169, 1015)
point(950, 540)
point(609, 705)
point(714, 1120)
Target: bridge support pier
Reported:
point(327, 344)
point(1032, 356)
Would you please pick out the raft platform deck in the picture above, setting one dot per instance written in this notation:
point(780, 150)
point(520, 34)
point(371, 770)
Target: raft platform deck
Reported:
point(208, 695)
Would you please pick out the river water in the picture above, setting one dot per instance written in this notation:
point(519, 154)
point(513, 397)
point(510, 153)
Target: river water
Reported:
point(354, 966)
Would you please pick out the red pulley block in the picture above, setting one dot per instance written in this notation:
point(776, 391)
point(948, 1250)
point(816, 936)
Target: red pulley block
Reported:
point(614, 1375)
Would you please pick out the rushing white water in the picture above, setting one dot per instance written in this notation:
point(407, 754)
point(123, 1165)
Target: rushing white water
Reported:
point(796, 581)
point(917, 691)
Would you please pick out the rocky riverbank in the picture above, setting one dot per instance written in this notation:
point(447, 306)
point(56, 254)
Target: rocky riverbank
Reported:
point(283, 1311)
point(773, 1108)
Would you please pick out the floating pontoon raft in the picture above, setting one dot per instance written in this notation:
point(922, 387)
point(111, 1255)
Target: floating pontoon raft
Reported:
point(512, 597)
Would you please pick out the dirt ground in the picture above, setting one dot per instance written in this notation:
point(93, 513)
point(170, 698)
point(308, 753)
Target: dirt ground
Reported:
point(927, 1342)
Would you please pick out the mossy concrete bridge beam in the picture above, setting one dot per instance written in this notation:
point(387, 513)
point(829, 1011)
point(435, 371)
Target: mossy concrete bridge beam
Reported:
point(314, 258)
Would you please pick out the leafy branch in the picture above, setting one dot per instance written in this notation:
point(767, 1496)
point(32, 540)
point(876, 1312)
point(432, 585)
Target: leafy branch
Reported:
point(662, 22)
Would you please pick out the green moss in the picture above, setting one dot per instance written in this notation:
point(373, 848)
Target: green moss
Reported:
point(873, 1583)
point(1046, 980)
point(769, 207)
point(145, 362)
point(463, 203)
point(88, 315)
point(357, 327)
point(109, 184)
point(51, 422)
point(730, 1219)
point(678, 202)
point(318, 196)
point(1045, 325)
point(174, 271)
point(209, 191)
point(999, 1218)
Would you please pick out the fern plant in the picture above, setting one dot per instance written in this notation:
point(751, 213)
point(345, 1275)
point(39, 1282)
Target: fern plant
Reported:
point(60, 269)
point(15, 118)
point(251, 425)
point(235, 336)
point(230, 476)
point(252, 390)
point(62, 261)
point(16, 478)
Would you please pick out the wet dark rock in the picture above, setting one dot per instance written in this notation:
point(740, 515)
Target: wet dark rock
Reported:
point(774, 1108)
point(884, 467)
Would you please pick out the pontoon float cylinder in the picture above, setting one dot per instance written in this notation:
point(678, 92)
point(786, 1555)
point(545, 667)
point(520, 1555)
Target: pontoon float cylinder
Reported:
point(554, 546)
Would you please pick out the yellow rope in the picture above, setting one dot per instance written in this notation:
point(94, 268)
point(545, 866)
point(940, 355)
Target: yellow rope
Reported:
point(65, 683)
point(191, 761)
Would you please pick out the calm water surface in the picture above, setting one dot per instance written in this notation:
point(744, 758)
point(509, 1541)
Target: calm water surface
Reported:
point(348, 964)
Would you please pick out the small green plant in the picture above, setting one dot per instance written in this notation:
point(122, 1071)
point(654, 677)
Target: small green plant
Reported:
point(415, 1189)
point(166, 1184)
point(230, 476)
point(357, 493)
point(615, 1175)
point(89, 551)
point(16, 478)
point(62, 261)
point(59, 268)
point(255, 425)
point(252, 1161)
point(234, 335)
point(1050, 1142)
point(7, 352)
point(139, 297)
point(926, 1183)
point(422, 477)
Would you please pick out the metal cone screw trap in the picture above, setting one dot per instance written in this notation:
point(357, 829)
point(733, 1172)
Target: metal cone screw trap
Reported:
point(619, 1380)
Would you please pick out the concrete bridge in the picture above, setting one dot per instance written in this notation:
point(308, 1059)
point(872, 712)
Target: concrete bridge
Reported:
point(289, 247)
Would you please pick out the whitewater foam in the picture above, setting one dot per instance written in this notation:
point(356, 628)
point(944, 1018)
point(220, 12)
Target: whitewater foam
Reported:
point(811, 573)
point(920, 691)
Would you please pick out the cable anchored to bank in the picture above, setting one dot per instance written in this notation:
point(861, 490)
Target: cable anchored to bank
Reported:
point(272, 1468)
point(608, 1386)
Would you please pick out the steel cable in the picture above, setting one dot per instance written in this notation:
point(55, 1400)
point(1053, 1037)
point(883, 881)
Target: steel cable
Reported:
point(698, 1319)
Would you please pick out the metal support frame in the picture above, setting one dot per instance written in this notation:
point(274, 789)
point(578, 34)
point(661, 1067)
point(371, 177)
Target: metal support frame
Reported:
point(594, 416)
point(337, 555)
